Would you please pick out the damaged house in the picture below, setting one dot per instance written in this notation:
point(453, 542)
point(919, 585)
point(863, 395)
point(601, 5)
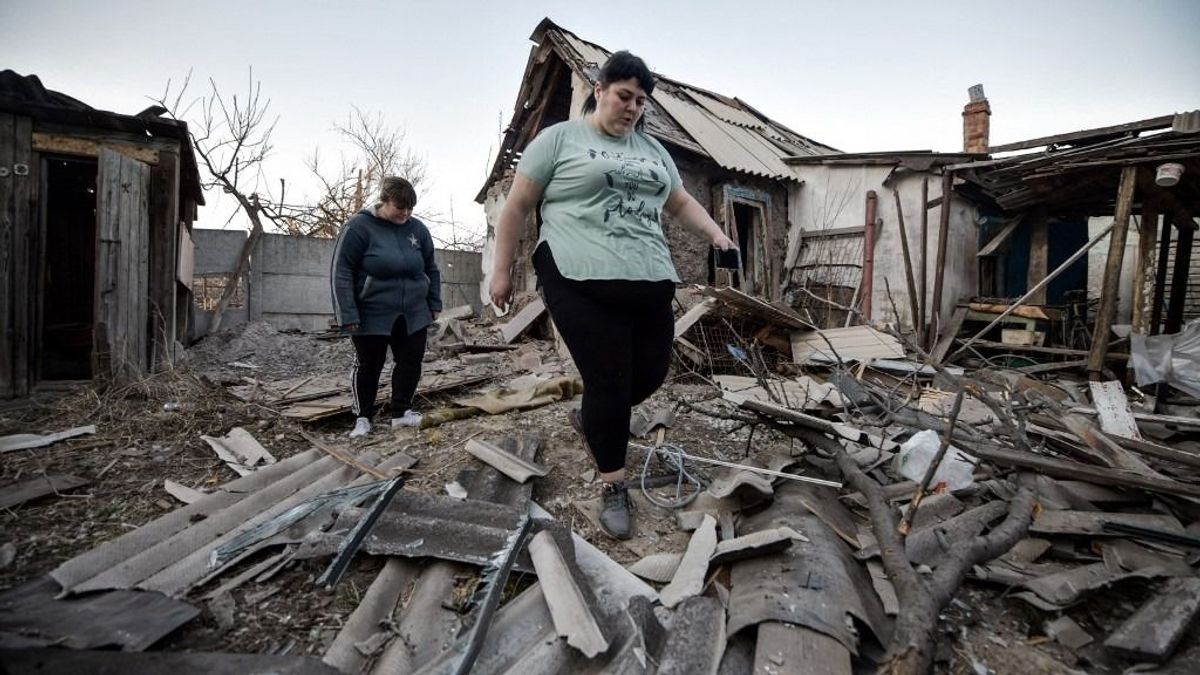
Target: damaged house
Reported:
point(730, 157)
point(95, 221)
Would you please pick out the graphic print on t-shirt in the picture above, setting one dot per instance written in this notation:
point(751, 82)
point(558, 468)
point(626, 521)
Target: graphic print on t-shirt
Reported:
point(631, 176)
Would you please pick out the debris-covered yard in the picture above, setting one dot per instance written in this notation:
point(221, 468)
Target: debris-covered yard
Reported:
point(205, 520)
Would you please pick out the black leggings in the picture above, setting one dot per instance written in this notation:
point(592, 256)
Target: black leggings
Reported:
point(370, 351)
point(619, 332)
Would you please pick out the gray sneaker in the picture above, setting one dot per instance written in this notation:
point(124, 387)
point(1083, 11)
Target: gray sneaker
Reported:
point(616, 513)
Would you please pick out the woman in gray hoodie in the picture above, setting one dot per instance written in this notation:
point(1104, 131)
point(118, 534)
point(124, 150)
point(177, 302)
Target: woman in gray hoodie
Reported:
point(386, 291)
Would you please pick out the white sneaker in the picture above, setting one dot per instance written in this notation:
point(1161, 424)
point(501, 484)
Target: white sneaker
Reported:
point(362, 427)
point(411, 418)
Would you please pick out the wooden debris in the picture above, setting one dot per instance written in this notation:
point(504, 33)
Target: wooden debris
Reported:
point(1075, 470)
point(522, 321)
point(1156, 628)
point(689, 578)
point(505, 462)
point(1113, 409)
point(29, 441)
point(572, 617)
point(690, 317)
point(15, 495)
point(857, 343)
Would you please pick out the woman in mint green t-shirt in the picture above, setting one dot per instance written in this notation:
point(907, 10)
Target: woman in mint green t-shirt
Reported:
point(602, 260)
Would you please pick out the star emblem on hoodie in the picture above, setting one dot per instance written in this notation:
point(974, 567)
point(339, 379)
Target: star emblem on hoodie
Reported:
point(412, 239)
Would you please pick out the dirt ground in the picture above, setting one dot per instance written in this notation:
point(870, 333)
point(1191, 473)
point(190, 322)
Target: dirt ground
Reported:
point(150, 431)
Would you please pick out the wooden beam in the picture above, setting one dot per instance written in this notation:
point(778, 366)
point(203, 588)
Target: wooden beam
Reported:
point(908, 267)
point(1143, 280)
point(1062, 468)
point(90, 147)
point(939, 270)
point(997, 241)
point(834, 232)
point(1160, 275)
point(924, 336)
point(1129, 128)
point(1112, 273)
point(1179, 276)
point(1039, 255)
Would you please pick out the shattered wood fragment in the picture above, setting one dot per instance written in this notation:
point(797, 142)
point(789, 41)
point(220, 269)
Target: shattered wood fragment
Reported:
point(693, 315)
point(505, 462)
point(856, 343)
point(689, 578)
point(572, 617)
point(1113, 409)
point(1092, 522)
point(522, 321)
point(30, 441)
point(755, 544)
point(1075, 470)
point(1156, 628)
point(787, 648)
point(19, 493)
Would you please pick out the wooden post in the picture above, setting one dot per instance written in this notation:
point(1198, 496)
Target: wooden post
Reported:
point(1112, 273)
point(1039, 255)
point(924, 328)
point(939, 271)
point(1143, 280)
point(1179, 278)
point(908, 268)
point(1160, 274)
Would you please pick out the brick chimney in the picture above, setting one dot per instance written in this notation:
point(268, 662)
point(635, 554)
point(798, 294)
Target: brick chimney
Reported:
point(976, 121)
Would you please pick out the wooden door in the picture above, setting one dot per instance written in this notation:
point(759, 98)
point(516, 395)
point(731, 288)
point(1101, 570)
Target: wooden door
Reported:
point(122, 266)
point(18, 230)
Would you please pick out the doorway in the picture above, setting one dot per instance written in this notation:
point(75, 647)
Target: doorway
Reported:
point(69, 269)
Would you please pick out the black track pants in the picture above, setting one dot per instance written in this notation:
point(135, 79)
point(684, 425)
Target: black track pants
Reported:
point(370, 351)
point(619, 332)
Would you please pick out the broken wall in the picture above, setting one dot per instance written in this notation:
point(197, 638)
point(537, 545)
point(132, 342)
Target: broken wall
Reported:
point(833, 201)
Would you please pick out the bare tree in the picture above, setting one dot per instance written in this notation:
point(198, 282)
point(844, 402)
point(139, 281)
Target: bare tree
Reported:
point(232, 137)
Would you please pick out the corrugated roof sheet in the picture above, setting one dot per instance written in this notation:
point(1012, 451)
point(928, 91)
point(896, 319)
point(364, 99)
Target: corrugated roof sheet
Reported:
point(733, 135)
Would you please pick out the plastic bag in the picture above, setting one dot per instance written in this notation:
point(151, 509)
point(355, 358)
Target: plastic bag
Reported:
point(917, 452)
point(1174, 359)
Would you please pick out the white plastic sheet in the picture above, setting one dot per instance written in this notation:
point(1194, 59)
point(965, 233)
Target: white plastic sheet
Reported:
point(1174, 359)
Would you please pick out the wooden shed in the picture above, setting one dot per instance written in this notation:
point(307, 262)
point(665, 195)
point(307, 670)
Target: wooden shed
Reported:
point(96, 210)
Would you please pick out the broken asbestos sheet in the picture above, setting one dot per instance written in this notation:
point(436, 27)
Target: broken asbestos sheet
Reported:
point(28, 441)
point(239, 450)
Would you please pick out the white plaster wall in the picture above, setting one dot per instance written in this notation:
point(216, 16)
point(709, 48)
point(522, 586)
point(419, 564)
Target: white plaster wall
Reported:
point(834, 196)
point(1097, 259)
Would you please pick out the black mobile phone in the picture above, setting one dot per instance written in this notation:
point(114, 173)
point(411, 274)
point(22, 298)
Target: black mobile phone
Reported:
point(727, 259)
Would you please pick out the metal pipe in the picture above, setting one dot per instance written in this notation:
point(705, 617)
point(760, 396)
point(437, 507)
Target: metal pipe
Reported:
point(868, 272)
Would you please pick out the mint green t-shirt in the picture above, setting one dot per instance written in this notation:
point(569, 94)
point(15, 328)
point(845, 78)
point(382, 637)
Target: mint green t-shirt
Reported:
point(602, 201)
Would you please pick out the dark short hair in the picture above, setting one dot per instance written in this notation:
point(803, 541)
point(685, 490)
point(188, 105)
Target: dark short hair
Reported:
point(398, 191)
point(623, 66)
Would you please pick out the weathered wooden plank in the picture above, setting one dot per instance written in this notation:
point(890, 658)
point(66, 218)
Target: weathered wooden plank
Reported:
point(1156, 628)
point(14, 495)
point(1107, 311)
point(522, 321)
point(1002, 236)
point(787, 648)
point(693, 315)
point(8, 234)
point(1101, 132)
point(1062, 468)
point(25, 268)
point(164, 239)
point(1039, 256)
point(946, 340)
point(91, 147)
point(1092, 522)
point(1113, 409)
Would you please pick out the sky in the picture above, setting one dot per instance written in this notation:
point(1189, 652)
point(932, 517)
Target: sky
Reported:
point(862, 76)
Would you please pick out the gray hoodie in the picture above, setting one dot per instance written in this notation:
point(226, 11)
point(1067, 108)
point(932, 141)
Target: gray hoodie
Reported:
point(382, 270)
